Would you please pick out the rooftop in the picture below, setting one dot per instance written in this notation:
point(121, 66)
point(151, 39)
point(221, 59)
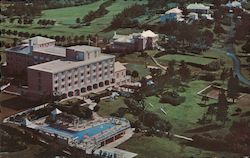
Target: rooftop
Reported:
point(174, 10)
point(119, 66)
point(198, 6)
point(58, 51)
point(22, 49)
point(125, 39)
point(63, 65)
point(148, 33)
point(38, 40)
point(84, 48)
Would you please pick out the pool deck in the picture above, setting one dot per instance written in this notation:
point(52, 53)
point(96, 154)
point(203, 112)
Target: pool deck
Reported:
point(110, 148)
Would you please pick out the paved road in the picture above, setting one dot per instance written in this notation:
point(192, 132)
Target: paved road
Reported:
point(236, 68)
point(231, 54)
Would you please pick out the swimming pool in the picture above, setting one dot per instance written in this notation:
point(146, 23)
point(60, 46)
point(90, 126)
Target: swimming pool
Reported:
point(79, 135)
point(90, 132)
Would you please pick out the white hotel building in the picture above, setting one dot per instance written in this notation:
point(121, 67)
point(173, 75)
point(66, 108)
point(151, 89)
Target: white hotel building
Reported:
point(84, 70)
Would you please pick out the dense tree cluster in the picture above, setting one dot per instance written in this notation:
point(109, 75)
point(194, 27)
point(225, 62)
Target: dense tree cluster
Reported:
point(45, 22)
point(233, 87)
point(61, 40)
point(23, 9)
point(98, 13)
point(126, 17)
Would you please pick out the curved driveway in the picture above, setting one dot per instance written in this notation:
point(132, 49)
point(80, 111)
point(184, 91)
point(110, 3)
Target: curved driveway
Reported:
point(232, 55)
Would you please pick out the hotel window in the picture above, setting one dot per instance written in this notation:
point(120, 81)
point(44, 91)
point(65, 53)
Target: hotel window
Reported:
point(75, 82)
point(82, 74)
point(63, 86)
point(69, 78)
point(105, 73)
point(88, 72)
point(63, 80)
point(88, 66)
point(93, 70)
point(69, 84)
point(106, 67)
point(111, 72)
point(56, 88)
point(56, 82)
point(76, 76)
point(100, 75)
point(100, 69)
point(82, 81)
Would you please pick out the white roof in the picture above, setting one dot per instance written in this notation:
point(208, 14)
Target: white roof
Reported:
point(29, 124)
point(198, 6)
point(56, 112)
point(55, 50)
point(63, 65)
point(174, 10)
point(38, 40)
point(84, 48)
point(233, 4)
point(148, 33)
point(125, 39)
point(119, 66)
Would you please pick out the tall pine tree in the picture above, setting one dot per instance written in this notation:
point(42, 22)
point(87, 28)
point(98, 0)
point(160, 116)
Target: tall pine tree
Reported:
point(221, 114)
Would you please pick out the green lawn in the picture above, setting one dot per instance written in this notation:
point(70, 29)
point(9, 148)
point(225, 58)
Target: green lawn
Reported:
point(219, 53)
point(141, 69)
point(108, 107)
point(67, 16)
point(183, 116)
point(155, 147)
point(192, 59)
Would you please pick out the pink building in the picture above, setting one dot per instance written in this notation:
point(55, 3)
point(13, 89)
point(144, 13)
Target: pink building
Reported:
point(32, 51)
point(135, 41)
point(71, 71)
point(84, 70)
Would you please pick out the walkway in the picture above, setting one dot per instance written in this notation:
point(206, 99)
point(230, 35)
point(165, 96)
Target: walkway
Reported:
point(158, 64)
point(232, 55)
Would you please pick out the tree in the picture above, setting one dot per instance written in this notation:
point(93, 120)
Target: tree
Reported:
point(223, 75)
point(233, 87)
point(78, 20)
point(218, 29)
point(221, 114)
point(135, 74)
point(155, 73)
point(20, 21)
point(170, 70)
point(184, 71)
point(211, 111)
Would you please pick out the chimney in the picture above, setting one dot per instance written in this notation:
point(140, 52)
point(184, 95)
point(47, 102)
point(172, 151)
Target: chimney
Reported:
point(30, 46)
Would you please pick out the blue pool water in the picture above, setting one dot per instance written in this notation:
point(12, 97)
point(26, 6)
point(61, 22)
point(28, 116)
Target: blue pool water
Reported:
point(92, 131)
point(80, 135)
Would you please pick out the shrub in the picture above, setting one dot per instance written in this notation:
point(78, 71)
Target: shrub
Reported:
point(172, 98)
